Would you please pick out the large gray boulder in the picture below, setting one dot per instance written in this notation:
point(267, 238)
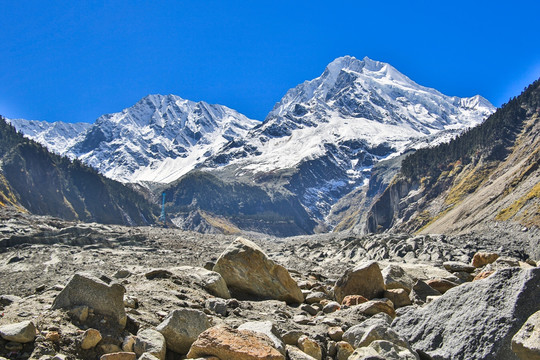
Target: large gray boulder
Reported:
point(247, 270)
point(182, 327)
point(476, 320)
point(85, 290)
point(365, 279)
point(526, 343)
point(396, 278)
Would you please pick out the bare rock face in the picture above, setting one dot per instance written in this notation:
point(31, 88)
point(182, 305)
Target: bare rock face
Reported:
point(475, 320)
point(229, 344)
point(22, 332)
point(248, 270)
point(85, 290)
point(182, 327)
point(526, 343)
point(365, 279)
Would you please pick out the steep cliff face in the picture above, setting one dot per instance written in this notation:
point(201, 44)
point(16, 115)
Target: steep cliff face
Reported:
point(487, 178)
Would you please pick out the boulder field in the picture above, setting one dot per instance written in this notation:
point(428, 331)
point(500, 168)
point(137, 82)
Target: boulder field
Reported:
point(139, 293)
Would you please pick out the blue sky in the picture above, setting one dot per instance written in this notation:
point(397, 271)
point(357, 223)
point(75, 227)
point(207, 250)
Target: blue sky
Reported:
point(76, 60)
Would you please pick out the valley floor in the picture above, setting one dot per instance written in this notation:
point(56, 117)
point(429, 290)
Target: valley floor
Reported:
point(39, 254)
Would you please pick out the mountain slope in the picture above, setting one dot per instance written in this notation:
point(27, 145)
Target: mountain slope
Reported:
point(201, 195)
point(486, 178)
point(322, 139)
point(44, 183)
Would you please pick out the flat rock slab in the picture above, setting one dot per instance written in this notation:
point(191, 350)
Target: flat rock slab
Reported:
point(475, 320)
point(22, 332)
point(248, 270)
point(86, 290)
point(212, 281)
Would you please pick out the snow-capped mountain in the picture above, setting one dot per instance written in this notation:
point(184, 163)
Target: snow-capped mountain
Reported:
point(332, 129)
point(158, 139)
point(57, 136)
point(317, 144)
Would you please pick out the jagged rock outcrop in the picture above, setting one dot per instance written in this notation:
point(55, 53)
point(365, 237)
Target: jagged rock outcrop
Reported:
point(36, 180)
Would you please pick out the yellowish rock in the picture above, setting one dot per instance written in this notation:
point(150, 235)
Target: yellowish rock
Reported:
point(90, 339)
point(344, 350)
point(483, 258)
point(310, 347)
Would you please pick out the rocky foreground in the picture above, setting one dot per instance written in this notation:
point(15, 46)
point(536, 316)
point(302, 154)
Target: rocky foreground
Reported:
point(88, 291)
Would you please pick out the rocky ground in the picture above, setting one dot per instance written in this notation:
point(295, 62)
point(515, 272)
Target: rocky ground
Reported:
point(398, 296)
